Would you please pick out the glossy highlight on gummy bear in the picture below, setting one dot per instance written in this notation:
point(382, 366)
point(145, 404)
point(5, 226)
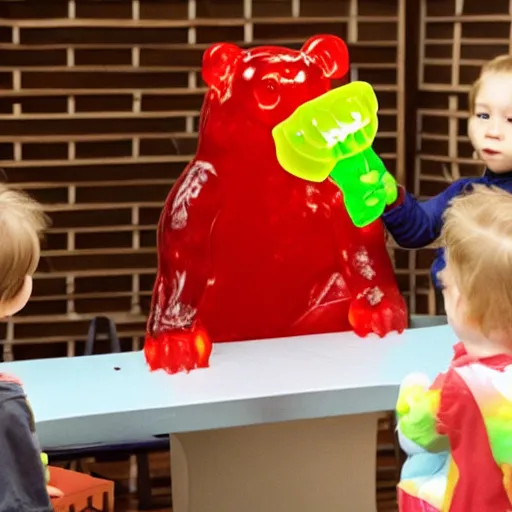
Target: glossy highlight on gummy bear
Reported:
point(246, 250)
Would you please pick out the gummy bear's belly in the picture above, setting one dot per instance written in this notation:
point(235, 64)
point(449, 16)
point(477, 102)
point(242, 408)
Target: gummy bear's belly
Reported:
point(275, 273)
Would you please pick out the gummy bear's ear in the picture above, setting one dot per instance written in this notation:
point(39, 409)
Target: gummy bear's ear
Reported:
point(219, 62)
point(330, 53)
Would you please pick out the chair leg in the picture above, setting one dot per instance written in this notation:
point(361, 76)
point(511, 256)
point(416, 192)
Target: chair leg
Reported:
point(144, 491)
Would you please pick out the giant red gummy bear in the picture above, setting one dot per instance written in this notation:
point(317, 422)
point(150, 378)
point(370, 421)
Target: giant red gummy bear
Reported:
point(248, 251)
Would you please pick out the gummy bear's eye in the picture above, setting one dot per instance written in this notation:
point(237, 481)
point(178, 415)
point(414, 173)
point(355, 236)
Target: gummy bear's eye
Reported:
point(267, 93)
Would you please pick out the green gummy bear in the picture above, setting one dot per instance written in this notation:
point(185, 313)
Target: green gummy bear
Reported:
point(367, 186)
point(332, 136)
point(336, 125)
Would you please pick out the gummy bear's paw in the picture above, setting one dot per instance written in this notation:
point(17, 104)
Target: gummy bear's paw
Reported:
point(178, 350)
point(387, 315)
point(381, 189)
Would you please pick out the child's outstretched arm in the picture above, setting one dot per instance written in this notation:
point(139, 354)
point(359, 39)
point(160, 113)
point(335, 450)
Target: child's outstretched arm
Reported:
point(415, 224)
point(22, 477)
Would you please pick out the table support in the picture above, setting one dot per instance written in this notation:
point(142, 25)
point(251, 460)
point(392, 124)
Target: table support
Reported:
point(326, 464)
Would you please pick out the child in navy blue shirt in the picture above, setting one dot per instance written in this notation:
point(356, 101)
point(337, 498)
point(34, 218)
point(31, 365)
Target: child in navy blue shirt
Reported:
point(414, 224)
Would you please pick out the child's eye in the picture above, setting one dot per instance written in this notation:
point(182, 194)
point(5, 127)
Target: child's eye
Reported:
point(509, 119)
point(482, 115)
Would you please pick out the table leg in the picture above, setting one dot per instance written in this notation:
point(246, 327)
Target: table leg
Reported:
point(322, 465)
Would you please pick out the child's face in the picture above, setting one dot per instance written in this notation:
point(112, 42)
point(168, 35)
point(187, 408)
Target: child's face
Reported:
point(490, 127)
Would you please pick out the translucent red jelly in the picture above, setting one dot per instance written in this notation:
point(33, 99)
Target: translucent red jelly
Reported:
point(248, 251)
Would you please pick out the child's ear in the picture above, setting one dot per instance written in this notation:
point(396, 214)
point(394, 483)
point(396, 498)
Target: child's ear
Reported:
point(16, 304)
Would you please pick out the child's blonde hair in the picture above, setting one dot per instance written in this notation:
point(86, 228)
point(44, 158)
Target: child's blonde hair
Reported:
point(500, 64)
point(22, 222)
point(477, 234)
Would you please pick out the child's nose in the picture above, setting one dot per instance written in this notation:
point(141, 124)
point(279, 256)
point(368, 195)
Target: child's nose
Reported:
point(494, 130)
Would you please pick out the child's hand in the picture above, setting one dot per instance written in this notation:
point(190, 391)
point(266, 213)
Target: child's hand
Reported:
point(53, 492)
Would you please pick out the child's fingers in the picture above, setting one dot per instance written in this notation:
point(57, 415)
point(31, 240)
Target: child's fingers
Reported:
point(54, 492)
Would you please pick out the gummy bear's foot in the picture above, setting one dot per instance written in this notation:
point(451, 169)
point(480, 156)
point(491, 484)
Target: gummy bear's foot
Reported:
point(387, 315)
point(178, 350)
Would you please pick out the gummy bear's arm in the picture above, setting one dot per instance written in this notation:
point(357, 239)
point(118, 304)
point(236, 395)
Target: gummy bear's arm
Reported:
point(184, 245)
point(414, 224)
point(417, 410)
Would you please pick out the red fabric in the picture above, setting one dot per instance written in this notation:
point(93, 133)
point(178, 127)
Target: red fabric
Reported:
point(408, 503)
point(479, 486)
point(498, 362)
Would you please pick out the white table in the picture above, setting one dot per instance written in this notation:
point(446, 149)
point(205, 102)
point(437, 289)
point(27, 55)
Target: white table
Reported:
point(273, 425)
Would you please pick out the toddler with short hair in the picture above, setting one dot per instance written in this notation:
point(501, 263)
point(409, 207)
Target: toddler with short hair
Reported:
point(23, 472)
point(457, 431)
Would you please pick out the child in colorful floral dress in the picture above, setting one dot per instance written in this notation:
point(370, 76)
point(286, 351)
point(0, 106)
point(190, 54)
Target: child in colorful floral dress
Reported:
point(457, 431)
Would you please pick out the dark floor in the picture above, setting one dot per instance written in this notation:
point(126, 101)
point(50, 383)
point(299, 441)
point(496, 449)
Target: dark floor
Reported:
point(130, 505)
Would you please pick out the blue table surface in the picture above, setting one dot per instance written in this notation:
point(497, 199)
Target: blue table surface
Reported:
point(85, 400)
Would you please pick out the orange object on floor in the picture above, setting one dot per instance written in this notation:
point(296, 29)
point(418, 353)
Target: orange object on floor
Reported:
point(82, 493)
